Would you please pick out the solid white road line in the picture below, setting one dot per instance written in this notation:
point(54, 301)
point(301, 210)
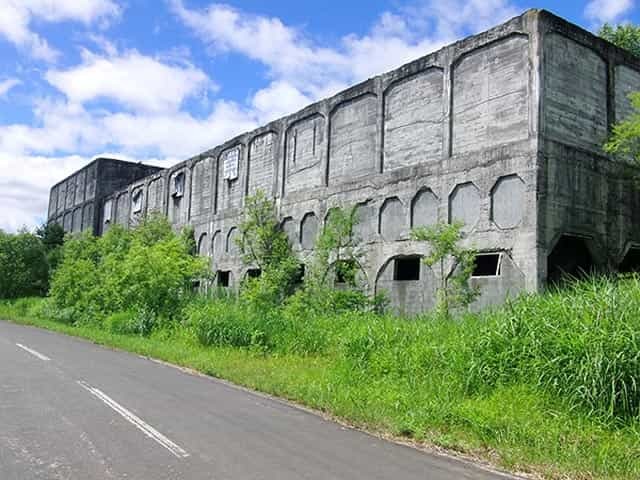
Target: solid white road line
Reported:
point(33, 352)
point(147, 429)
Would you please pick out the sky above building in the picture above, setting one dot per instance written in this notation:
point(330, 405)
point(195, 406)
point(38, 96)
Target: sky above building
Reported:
point(161, 80)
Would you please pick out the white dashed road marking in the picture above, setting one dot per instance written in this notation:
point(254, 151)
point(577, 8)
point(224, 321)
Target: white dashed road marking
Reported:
point(33, 352)
point(147, 429)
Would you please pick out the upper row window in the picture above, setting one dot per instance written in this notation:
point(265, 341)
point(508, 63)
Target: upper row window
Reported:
point(178, 185)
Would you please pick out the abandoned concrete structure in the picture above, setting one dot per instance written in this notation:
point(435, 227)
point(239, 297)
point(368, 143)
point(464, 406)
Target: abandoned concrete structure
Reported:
point(502, 130)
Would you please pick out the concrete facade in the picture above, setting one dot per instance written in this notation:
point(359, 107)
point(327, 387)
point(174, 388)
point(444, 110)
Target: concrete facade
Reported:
point(502, 130)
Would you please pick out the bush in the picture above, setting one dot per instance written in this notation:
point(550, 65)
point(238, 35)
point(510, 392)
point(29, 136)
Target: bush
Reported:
point(24, 269)
point(148, 270)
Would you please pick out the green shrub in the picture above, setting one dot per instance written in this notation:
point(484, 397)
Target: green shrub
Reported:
point(148, 270)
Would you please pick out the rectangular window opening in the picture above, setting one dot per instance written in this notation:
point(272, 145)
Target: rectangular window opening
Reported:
point(178, 185)
point(487, 265)
point(406, 269)
point(222, 278)
point(298, 277)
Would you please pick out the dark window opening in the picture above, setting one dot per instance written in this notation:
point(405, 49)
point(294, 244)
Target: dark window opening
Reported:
point(631, 261)
point(346, 271)
point(406, 269)
point(178, 185)
point(254, 273)
point(569, 260)
point(223, 278)
point(487, 265)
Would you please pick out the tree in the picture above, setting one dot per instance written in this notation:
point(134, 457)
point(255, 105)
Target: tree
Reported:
point(23, 265)
point(337, 249)
point(265, 245)
point(454, 290)
point(625, 36)
point(52, 237)
point(625, 137)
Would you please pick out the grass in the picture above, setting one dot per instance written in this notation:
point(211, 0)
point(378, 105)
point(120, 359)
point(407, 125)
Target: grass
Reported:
point(546, 385)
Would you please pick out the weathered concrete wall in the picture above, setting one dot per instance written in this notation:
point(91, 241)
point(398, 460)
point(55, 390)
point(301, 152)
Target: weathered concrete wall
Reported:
point(451, 135)
point(586, 198)
point(76, 202)
point(502, 130)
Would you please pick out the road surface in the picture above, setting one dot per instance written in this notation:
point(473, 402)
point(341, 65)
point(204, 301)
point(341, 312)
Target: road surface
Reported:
point(70, 409)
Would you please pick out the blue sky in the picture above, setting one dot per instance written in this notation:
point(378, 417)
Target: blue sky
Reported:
point(160, 80)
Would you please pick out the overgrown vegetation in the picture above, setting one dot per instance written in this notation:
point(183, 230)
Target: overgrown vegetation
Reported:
point(455, 290)
point(27, 259)
point(547, 383)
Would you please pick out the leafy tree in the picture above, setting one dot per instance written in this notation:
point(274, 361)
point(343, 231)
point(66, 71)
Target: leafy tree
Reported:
point(625, 137)
point(24, 268)
point(625, 36)
point(454, 290)
point(336, 250)
point(52, 237)
point(265, 245)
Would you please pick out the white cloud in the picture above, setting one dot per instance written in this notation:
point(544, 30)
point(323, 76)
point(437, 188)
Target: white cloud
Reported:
point(602, 11)
point(135, 81)
point(8, 84)
point(16, 17)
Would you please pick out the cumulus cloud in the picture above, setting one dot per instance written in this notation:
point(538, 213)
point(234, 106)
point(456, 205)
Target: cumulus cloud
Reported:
point(16, 17)
point(146, 117)
point(135, 81)
point(601, 11)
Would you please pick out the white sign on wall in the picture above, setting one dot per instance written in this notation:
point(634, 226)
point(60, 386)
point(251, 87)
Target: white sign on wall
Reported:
point(230, 165)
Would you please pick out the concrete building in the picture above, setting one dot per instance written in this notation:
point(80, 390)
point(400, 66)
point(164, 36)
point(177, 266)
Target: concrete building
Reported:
point(502, 130)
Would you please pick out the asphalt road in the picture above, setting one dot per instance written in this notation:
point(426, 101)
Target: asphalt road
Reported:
point(70, 409)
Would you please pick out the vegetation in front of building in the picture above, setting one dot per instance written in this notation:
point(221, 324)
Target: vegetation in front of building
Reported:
point(547, 383)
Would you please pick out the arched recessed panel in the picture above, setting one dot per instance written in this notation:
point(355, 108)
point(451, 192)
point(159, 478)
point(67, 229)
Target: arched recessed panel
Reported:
point(122, 209)
point(309, 231)
point(303, 157)
point(424, 209)
point(155, 195)
point(232, 245)
point(365, 226)
point(352, 139)
point(408, 283)
point(87, 217)
point(289, 228)
point(464, 205)
point(62, 193)
point(80, 187)
point(77, 220)
point(490, 95)
point(413, 120)
point(201, 187)
point(507, 201)
point(262, 161)
point(575, 93)
point(230, 190)
point(216, 245)
point(68, 222)
point(393, 221)
point(203, 245)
